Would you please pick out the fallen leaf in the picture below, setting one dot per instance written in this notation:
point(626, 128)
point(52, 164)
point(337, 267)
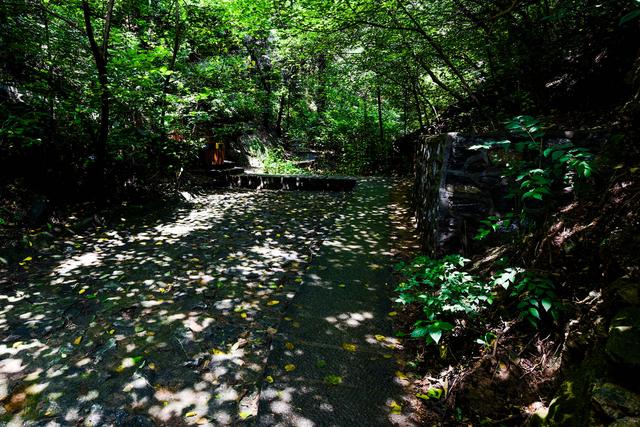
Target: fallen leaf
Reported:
point(333, 379)
point(349, 347)
point(243, 315)
point(395, 408)
point(289, 346)
point(82, 291)
point(392, 313)
point(244, 415)
point(401, 375)
point(289, 367)
point(273, 302)
point(217, 352)
point(190, 414)
point(269, 379)
point(342, 285)
point(380, 338)
point(77, 341)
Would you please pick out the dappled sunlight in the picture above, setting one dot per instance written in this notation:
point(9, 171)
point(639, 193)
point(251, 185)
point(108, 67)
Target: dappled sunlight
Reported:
point(167, 317)
point(173, 318)
point(334, 359)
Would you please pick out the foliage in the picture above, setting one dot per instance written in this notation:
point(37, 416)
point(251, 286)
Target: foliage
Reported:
point(442, 291)
point(534, 169)
point(535, 294)
point(445, 293)
point(346, 78)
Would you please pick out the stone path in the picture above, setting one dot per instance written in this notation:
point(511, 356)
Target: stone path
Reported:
point(333, 361)
point(193, 315)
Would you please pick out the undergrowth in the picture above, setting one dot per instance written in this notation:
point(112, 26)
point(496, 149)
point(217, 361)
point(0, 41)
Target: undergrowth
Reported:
point(447, 294)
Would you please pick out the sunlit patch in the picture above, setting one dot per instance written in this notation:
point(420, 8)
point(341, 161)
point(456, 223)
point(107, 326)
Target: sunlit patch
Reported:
point(11, 366)
point(90, 259)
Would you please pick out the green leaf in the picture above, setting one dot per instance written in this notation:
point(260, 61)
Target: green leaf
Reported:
point(534, 312)
point(630, 16)
point(546, 304)
point(436, 335)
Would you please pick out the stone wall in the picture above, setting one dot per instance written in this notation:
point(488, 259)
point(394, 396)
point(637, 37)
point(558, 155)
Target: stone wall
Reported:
point(455, 188)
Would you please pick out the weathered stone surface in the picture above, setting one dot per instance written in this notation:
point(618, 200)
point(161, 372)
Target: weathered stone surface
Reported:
point(616, 401)
point(623, 345)
point(455, 188)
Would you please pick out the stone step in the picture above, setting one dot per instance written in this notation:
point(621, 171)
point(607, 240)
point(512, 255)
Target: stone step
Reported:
point(224, 173)
point(292, 182)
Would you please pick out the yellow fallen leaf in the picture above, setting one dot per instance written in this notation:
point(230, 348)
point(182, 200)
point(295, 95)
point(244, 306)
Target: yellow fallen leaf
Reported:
point(82, 291)
point(77, 341)
point(401, 375)
point(342, 285)
point(387, 356)
point(290, 367)
point(380, 338)
point(269, 379)
point(244, 415)
point(333, 379)
point(392, 313)
point(190, 414)
point(112, 331)
point(217, 352)
point(298, 280)
point(288, 319)
point(289, 346)
point(349, 347)
point(152, 366)
point(273, 302)
point(395, 408)
point(243, 315)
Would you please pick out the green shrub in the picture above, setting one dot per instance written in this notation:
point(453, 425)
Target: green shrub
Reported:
point(444, 292)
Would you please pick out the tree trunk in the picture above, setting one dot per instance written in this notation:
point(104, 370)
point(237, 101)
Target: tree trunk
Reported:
point(101, 59)
point(380, 122)
point(172, 66)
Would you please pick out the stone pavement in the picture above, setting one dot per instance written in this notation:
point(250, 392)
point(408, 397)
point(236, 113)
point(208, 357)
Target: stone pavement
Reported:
point(240, 307)
point(332, 362)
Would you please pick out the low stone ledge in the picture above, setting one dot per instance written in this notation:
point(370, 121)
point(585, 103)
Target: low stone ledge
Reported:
point(292, 182)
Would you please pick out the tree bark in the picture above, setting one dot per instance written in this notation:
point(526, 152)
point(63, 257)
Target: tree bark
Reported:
point(380, 122)
point(172, 67)
point(101, 59)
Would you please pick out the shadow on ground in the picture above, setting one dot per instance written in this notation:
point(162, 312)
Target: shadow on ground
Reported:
point(333, 361)
point(164, 321)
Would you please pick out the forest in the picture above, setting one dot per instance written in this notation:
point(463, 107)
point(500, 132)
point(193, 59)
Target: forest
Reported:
point(319, 212)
